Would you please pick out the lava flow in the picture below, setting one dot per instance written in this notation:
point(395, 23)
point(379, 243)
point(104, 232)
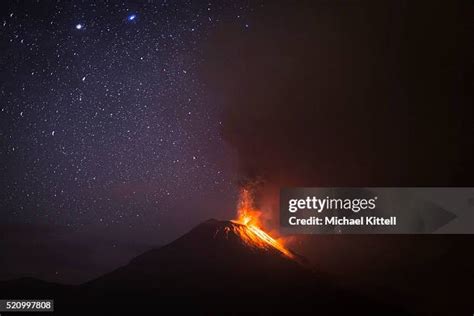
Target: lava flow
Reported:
point(250, 226)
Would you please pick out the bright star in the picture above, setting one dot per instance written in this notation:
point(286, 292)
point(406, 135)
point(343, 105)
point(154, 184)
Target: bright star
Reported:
point(131, 17)
point(79, 26)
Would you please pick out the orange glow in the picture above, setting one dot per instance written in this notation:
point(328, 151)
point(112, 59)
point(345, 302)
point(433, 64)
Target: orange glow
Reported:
point(250, 229)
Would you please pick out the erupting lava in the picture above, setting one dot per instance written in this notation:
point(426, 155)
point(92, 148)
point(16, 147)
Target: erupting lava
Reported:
point(250, 226)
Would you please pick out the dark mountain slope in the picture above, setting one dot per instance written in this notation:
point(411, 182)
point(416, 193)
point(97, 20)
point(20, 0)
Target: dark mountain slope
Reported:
point(217, 268)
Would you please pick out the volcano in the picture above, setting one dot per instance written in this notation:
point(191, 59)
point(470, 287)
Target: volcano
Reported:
point(219, 267)
point(213, 255)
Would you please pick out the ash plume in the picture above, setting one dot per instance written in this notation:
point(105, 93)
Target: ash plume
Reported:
point(343, 94)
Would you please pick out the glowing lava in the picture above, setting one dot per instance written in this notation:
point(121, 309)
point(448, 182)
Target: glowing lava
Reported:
point(250, 226)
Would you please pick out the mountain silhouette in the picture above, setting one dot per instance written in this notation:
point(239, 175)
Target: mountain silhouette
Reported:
point(219, 267)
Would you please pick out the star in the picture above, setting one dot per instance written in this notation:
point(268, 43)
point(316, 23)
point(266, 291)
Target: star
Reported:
point(79, 26)
point(132, 17)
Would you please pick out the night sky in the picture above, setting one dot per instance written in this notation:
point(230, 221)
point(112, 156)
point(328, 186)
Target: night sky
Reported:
point(124, 124)
point(104, 126)
point(103, 118)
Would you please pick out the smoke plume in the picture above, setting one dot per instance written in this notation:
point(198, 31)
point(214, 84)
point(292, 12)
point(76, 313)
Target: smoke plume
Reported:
point(343, 94)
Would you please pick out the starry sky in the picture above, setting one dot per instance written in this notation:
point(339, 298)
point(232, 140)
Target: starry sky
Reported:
point(103, 118)
point(104, 125)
